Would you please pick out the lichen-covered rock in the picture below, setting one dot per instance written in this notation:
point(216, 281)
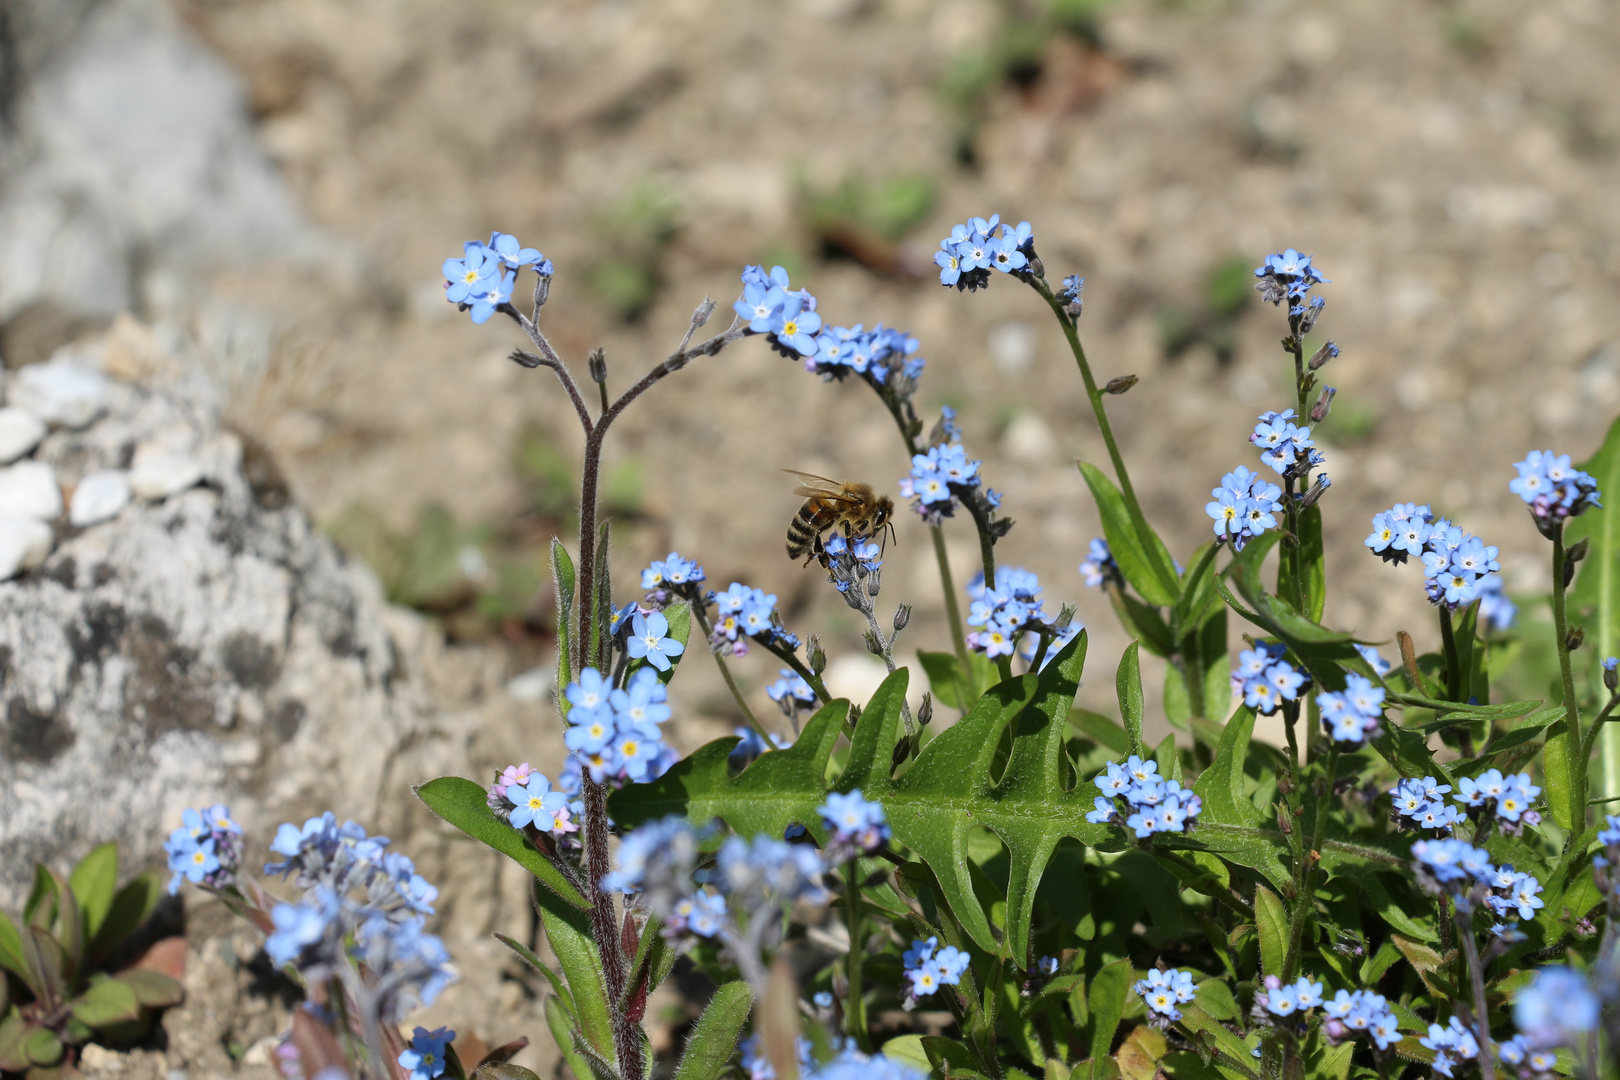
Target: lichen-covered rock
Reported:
point(201, 647)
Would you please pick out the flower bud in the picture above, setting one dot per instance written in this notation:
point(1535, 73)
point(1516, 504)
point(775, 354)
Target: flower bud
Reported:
point(873, 644)
point(1323, 355)
point(902, 750)
point(1578, 550)
point(598, 366)
point(1311, 496)
point(902, 616)
point(1120, 385)
point(1319, 411)
point(1573, 639)
point(817, 657)
point(925, 711)
point(1611, 674)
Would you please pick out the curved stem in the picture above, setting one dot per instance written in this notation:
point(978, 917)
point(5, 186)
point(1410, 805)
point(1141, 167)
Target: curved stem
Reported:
point(786, 656)
point(953, 611)
point(1476, 981)
point(1573, 742)
point(701, 613)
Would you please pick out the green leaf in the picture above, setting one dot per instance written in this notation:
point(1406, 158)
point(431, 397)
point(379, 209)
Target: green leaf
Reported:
point(568, 930)
point(153, 989)
point(107, 1002)
point(1128, 684)
point(526, 954)
point(505, 1070)
point(1597, 586)
point(561, 1025)
point(43, 955)
point(1312, 562)
point(465, 805)
point(1221, 1040)
point(1377, 899)
point(69, 931)
point(1271, 920)
point(1144, 621)
point(1148, 576)
point(94, 883)
point(42, 1047)
point(933, 806)
point(949, 683)
point(1102, 730)
point(709, 1047)
point(1106, 996)
point(562, 573)
point(680, 628)
point(131, 907)
point(11, 954)
point(37, 909)
point(1221, 785)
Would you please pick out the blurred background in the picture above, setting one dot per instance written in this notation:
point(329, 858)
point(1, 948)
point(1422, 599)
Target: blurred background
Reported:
point(270, 186)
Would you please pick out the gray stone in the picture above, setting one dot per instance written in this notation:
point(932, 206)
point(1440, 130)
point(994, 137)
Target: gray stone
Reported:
point(20, 432)
point(159, 473)
point(99, 497)
point(29, 489)
point(62, 392)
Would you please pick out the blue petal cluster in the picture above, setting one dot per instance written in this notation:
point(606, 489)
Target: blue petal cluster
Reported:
point(945, 477)
point(926, 970)
point(1100, 566)
point(671, 571)
point(1361, 1011)
point(1070, 295)
point(1458, 869)
point(203, 849)
point(1559, 1008)
point(1162, 991)
point(1300, 996)
point(791, 693)
point(1352, 715)
point(1510, 796)
point(523, 796)
point(1243, 507)
point(1008, 618)
point(1265, 679)
point(851, 1064)
point(614, 733)
point(1553, 488)
point(966, 257)
point(1153, 804)
point(880, 355)
point(1289, 276)
point(769, 306)
point(756, 1066)
point(1422, 802)
point(742, 613)
point(362, 903)
point(857, 824)
point(1452, 1043)
point(1457, 566)
point(424, 1058)
point(483, 278)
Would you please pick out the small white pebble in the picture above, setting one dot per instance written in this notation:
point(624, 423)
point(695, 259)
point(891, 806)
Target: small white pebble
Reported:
point(99, 497)
point(60, 393)
point(24, 544)
point(157, 474)
point(20, 432)
point(29, 489)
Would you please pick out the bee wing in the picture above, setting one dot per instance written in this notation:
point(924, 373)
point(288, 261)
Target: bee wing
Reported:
point(819, 487)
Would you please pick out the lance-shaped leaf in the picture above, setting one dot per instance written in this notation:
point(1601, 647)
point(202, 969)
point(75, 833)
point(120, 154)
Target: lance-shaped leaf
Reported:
point(1151, 573)
point(464, 804)
point(709, 1047)
point(932, 807)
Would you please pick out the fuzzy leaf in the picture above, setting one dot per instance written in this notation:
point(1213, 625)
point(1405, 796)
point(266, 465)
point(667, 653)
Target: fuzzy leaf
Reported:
point(1106, 997)
point(951, 686)
point(131, 907)
point(1148, 576)
point(527, 956)
point(562, 572)
point(568, 930)
point(94, 883)
point(153, 989)
point(1221, 1040)
point(1272, 921)
point(42, 1047)
point(465, 805)
point(1128, 684)
point(13, 1030)
point(714, 1038)
point(110, 1001)
point(561, 1024)
point(932, 807)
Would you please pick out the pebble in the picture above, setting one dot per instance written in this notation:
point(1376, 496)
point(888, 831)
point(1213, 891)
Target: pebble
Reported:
point(59, 393)
point(24, 544)
point(530, 688)
point(29, 489)
point(157, 474)
point(99, 497)
point(20, 432)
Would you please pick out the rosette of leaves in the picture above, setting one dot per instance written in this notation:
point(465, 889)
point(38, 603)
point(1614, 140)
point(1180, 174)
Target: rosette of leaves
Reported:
point(61, 992)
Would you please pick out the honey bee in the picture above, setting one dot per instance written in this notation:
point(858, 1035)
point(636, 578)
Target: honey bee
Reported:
point(853, 509)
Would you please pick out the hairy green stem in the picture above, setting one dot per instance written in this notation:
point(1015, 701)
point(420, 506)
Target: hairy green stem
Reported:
point(701, 613)
point(786, 655)
point(953, 610)
point(1305, 907)
point(855, 1007)
point(1476, 982)
point(1573, 741)
point(1448, 641)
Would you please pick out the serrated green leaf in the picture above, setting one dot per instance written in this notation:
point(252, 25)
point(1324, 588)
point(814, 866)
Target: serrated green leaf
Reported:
point(465, 805)
point(1271, 920)
point(1128, 685)
point(714, 1038)
point(933, 806)
point(1106, 997)
point(107, 1002)
point(565, 581)
point(1149, 576)
point(94, 883)
point(568, 931)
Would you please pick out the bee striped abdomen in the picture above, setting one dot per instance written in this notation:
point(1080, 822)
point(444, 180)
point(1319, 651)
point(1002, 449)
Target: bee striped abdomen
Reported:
point(805, 528)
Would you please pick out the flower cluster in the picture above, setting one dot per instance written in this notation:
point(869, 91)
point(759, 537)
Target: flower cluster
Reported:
point(769, 307)
point(857, 824)
point(1458, 869)
point(927, 970)
point(1244, 506)
point(1286, 448)
point(1162, 991)
point(742, 613)
point(483, 278)
point(671, 573)
point(1152, 803)
point(854, 569)
point(524, 797)
point(1422, 802)
point(362, 904)
point(424, 1058)
point(614, 733)
point(1351, 1013)
point(1602, 864)
point(1070, 295)
point(1456, 565)
point(1100, 567)
point(203, 849)
point(1289, 276)
point(1451, 1043)
point(851, 1064)
point(1553, 489)
point(1509, 796)
point(882, 356)
point(756, 1066)
point(791, 693)
point(1300, 996)
point(966, 257)
point(945, 477)
point(1265, 679)
point(1352, 715)
point(1558, 1008)
point(1012, 615)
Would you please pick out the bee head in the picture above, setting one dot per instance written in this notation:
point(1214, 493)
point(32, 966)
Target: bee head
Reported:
point(883, 512)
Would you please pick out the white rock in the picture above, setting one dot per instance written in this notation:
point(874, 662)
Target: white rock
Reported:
point(531, 687)
point(20, 432)
point(29, 489)
point(60, 393)
point(99, 497)
point(157, 474)
point(24, 543)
